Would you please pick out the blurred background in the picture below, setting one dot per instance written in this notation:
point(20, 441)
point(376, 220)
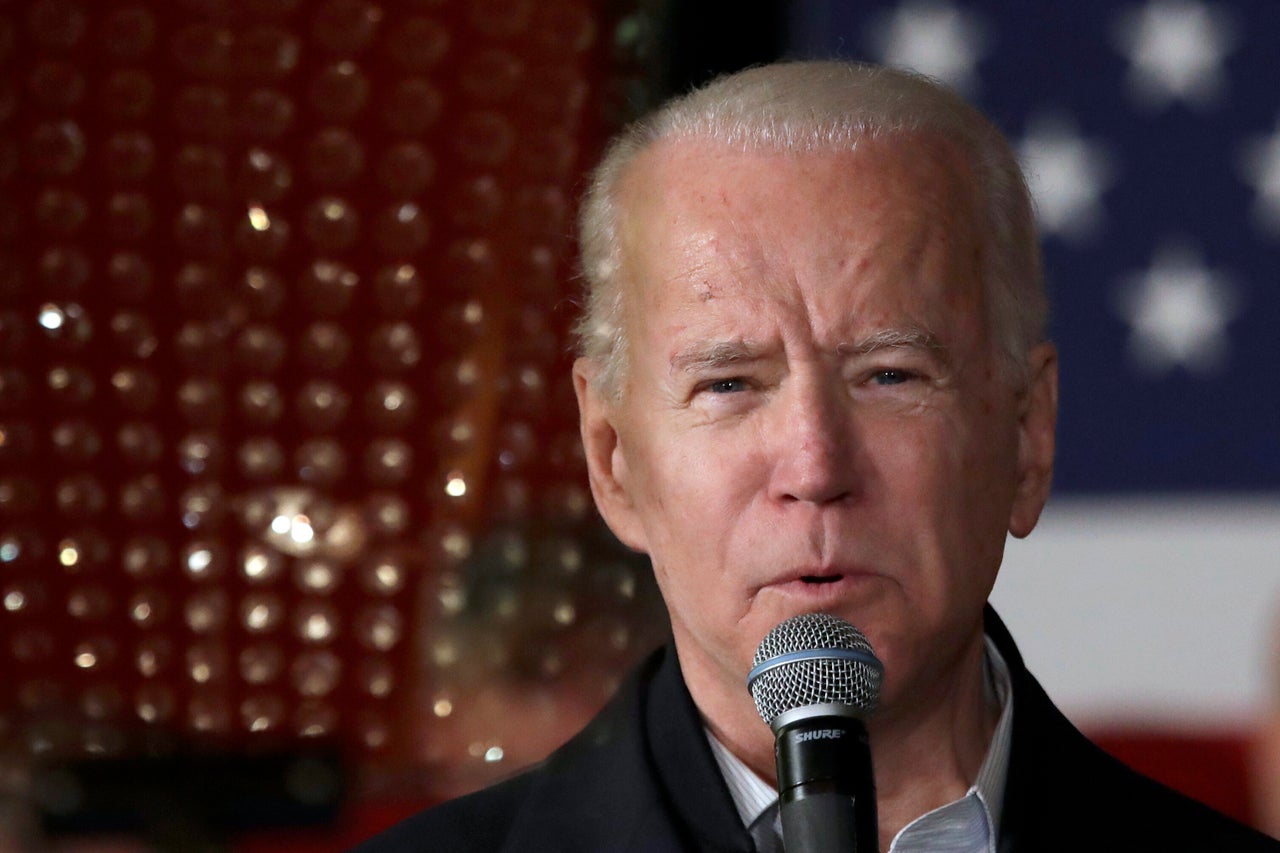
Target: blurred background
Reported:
point(294, 529)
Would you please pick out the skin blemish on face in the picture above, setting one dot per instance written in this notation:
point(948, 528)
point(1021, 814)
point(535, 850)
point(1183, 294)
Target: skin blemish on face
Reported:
point(856, 266)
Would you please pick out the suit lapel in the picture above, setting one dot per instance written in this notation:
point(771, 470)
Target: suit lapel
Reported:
point(639, 779)
point(1048, 762)
point(700, 800)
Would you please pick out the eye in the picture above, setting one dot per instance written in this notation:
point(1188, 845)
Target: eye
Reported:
point(727, 386)
point(891, 376)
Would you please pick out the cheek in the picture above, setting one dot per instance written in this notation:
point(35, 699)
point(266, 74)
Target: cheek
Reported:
point(979, 485)
point(950, 477)
point(694, 499)
point(993, 448)
point(681, 491)
point(922, 456)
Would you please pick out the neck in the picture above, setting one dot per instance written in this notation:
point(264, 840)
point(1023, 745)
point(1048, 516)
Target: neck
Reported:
point(732, 718)
point(929, 761)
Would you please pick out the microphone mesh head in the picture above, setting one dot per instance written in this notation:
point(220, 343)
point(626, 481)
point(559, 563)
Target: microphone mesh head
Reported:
point(816, 679)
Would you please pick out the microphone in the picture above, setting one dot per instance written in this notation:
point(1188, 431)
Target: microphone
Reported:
point(814, 680)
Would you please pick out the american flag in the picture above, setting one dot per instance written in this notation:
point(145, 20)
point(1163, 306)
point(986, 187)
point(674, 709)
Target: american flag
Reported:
point(1150, 132)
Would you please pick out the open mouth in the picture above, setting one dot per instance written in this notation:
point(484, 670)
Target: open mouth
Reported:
point(821, 579)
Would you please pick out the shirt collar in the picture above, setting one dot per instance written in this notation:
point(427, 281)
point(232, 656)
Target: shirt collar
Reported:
point(994, 772)
point(752, 795)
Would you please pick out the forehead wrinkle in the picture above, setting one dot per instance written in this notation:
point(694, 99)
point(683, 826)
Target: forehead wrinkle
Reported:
point(708, 263)
point(698, 273)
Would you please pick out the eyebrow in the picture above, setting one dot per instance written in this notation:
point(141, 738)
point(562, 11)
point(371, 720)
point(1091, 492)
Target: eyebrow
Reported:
point(713, 355)
point(910, 337)
point(716, 355)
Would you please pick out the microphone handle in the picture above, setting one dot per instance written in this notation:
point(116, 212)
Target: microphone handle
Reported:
point(826, 788)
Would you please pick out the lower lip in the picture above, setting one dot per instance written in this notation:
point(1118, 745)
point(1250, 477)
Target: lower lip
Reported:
point(838, 585)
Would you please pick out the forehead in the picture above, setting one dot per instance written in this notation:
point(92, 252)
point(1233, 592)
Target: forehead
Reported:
point(891, 161)
point(700, 219)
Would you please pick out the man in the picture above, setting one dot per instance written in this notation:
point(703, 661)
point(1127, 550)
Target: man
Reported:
point(814, 377)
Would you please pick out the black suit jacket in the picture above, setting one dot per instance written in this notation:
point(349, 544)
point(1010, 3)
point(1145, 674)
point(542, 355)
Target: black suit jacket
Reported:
point(641, 778)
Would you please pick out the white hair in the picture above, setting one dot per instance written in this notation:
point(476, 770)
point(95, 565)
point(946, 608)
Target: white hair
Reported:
point(821, 106)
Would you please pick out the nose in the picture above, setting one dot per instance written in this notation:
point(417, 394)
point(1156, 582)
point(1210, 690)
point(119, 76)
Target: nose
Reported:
point(813, 446)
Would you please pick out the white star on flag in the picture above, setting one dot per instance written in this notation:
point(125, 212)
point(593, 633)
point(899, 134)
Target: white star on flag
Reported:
point(1260, 165)
point(1178, 311)
point(933, 37)
point(1067, 174)
point(1176, 50)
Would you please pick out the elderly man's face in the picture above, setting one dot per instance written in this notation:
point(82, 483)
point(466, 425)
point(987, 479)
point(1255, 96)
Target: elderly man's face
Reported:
point(814, 415)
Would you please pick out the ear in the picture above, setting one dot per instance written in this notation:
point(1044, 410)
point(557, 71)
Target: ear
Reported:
point(607, 467)
point(1037, 427)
